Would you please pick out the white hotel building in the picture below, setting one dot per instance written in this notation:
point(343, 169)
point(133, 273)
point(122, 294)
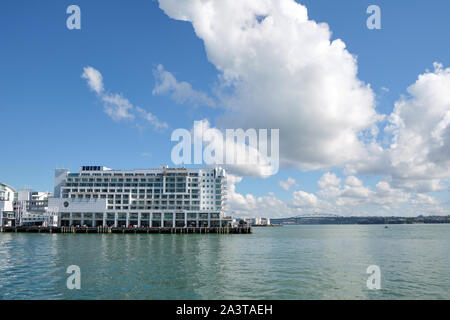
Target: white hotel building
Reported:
point(164, 197)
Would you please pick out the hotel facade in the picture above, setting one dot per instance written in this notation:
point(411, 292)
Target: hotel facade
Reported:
point(163, 197)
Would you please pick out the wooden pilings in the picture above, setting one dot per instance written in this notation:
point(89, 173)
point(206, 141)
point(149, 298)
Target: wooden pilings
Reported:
point(123, 230)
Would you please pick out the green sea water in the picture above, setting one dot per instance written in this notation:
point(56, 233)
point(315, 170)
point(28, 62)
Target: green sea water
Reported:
point(291, 262)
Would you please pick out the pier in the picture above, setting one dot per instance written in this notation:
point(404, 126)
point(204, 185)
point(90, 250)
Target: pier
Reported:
point(123, 230)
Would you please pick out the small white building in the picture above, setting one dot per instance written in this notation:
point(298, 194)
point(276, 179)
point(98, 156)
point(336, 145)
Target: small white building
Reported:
point(7, 217)
point(257, 221)
point(30, 208)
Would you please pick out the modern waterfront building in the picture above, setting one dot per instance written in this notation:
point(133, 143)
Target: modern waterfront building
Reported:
point(30, 208)
point(7, 217)
point(163, 197)
point(257, 221)
point(261, 221)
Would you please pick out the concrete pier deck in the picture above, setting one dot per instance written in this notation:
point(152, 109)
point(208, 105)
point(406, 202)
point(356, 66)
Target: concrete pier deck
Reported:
point(187, 230)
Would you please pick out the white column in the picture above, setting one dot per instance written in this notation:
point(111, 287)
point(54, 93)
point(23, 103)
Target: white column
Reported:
point(59, 219)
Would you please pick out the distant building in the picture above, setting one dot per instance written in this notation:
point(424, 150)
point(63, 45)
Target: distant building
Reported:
point(30, 208)
point(257, 221)
point(7, 217)
point(163, 197)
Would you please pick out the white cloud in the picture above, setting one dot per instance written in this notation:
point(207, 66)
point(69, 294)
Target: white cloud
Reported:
point(284, 72)
point(329, 184)
point(116, 105)
point(346, 198)
point(152, 119)
point(286, 185)
point(248, 205)
point(420, 126)
point(304, 200)
point(417, 158)
point(353, 194)
point(424, 200)
point(94, 78)
point(264, 168)
point(180, 92)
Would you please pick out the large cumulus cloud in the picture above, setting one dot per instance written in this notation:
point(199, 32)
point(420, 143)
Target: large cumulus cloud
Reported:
point(418, 157)
point(281, 70)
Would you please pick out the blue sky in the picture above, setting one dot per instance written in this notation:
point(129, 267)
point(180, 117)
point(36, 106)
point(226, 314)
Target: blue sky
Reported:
point(51, 119)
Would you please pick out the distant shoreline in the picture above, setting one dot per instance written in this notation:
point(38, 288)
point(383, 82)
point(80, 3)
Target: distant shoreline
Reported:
point(361, 220)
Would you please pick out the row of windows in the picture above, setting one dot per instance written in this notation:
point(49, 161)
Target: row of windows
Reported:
point(187, 208)
point(118, 196)
point(177, 179)
point(117, 174)
point(132, 180)
point(157, 189)
point(142, 185)
point(144, 215)
point(167, 185)
point(86, 195)
point(148, 191)
point(157, 196)
point(155, 202)
point(91, 168)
